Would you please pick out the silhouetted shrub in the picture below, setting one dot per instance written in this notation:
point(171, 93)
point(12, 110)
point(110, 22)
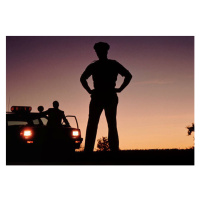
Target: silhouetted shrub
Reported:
point(190, 129)
point(103, 144)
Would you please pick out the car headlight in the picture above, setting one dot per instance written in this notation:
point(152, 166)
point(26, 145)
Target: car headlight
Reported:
point(75, 133)
point(27, 133)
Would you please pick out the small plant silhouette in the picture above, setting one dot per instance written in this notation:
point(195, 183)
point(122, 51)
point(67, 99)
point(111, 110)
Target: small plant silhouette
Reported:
point(190, 129)
point(103, 144)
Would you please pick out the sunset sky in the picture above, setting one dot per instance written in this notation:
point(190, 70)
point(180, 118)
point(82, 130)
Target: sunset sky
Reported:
point(153, 110)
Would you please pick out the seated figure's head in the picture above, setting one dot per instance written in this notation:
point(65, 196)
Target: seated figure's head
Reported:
point(55, 104)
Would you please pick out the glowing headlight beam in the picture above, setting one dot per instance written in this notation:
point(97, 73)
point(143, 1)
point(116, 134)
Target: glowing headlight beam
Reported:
point(75, 133)
point(27, 133)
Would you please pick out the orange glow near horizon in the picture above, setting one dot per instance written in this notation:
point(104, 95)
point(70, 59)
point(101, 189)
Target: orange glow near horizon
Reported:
point(153, 111)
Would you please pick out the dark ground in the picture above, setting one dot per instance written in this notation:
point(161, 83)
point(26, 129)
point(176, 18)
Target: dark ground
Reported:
point(129, 157)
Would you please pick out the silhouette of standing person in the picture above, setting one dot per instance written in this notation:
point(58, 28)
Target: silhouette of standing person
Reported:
point(103, 97)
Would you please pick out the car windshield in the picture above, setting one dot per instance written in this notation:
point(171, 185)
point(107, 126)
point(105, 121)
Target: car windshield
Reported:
point(44, 120)
point(17, 123)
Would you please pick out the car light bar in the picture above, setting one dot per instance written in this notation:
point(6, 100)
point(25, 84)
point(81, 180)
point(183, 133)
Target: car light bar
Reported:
point(21, 108)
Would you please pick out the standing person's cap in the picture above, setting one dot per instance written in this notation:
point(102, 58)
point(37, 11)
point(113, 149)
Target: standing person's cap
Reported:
point(101, 46)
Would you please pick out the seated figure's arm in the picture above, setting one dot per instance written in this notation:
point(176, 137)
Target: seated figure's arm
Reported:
point(66, 121)
point(45, 113)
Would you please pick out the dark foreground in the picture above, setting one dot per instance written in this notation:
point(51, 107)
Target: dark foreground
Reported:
point(129, 157)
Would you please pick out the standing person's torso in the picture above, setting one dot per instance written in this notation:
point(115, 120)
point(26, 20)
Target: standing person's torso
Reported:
point(104, 74)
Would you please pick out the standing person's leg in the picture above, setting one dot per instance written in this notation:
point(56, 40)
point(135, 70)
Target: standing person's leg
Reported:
point(111, 114)
point(95, 111)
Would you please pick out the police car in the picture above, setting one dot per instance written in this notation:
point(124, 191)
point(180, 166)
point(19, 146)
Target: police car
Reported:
point(26, 129)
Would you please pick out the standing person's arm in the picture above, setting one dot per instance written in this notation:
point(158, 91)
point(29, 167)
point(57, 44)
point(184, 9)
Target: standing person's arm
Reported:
point(123, 72)
point(86, 74)
point(126, 81)
point(85, 84)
